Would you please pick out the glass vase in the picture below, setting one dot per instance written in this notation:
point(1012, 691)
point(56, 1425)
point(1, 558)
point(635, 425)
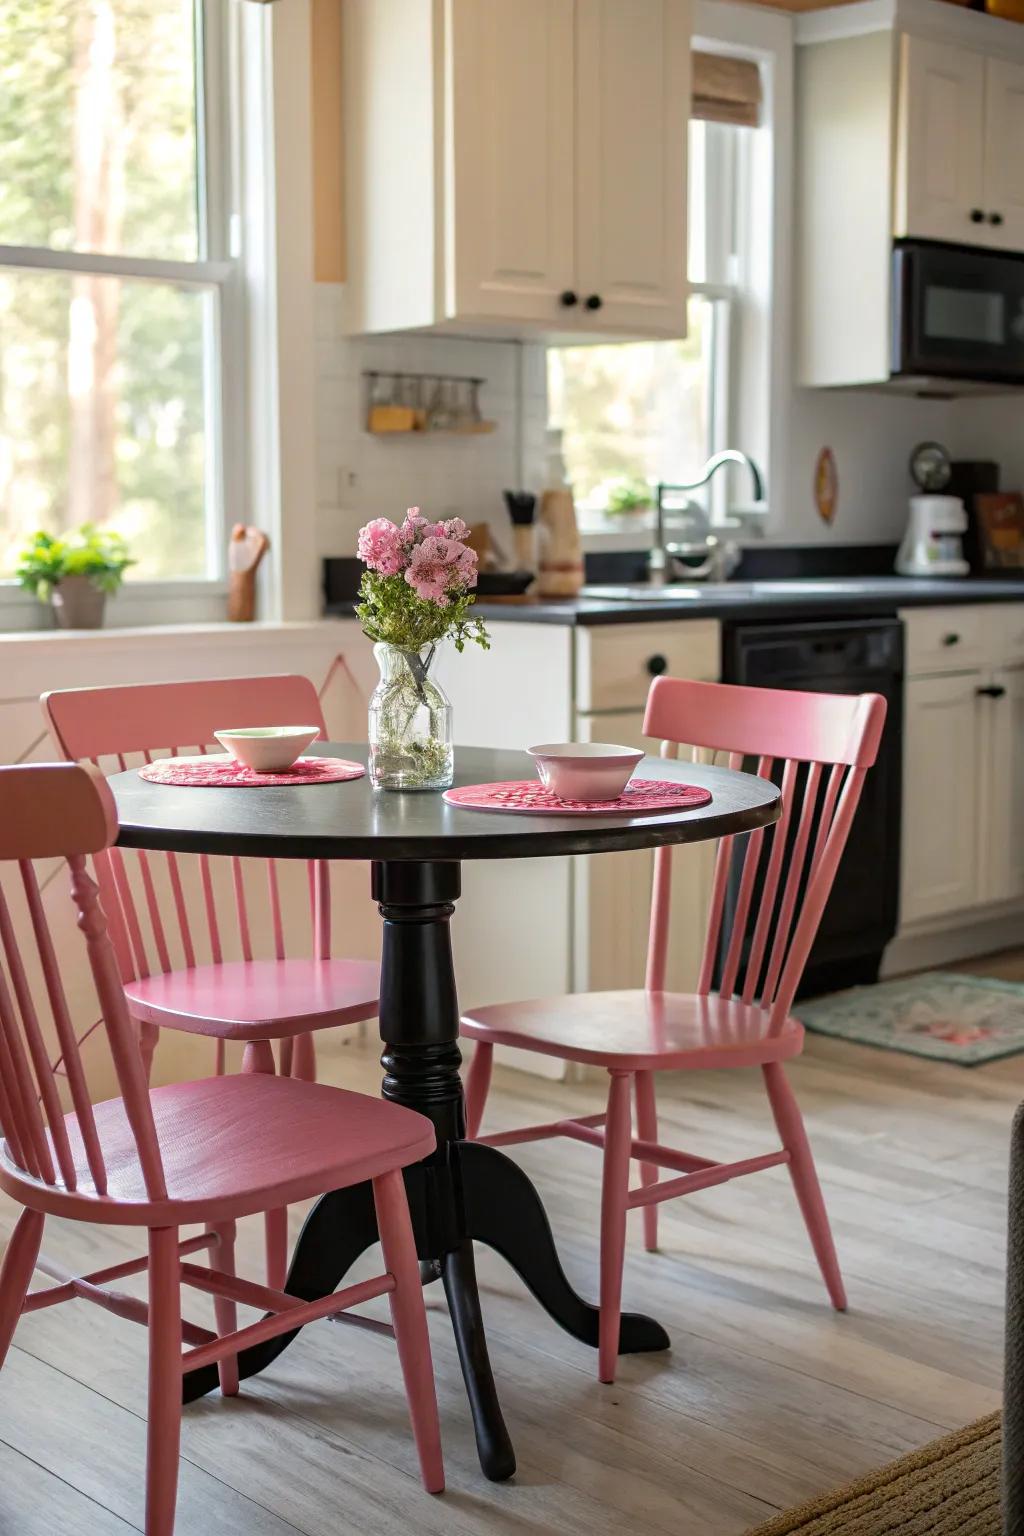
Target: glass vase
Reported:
point(410, 723)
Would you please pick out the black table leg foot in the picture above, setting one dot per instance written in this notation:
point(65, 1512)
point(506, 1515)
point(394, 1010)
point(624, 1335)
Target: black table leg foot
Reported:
point(504, 1210)
point(497, 1458)
point(337, 1230)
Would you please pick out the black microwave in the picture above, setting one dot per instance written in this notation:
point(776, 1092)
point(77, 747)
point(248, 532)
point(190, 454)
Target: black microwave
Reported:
point(957, 313)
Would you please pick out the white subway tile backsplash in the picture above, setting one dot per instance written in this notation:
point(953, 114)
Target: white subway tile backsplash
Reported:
point(361, 476)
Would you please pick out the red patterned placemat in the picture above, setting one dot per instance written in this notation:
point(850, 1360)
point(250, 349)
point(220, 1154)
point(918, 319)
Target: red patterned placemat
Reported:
point(528, 797)
point(222, 772)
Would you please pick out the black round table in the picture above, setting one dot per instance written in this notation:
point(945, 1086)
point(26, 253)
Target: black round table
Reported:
point(465, 1193)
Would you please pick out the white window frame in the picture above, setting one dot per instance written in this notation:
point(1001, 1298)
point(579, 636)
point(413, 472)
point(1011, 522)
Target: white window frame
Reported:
point(221, 44)
point(761, 318)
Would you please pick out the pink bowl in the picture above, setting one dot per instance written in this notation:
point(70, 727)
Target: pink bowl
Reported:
point(585, 770)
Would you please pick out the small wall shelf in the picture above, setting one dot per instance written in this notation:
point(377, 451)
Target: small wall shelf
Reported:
point(429, 404)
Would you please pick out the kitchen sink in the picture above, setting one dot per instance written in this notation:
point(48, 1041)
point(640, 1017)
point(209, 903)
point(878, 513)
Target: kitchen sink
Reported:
point(642, 592)
point(727, 591)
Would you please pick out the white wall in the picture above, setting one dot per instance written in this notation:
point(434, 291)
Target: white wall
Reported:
point(360, 475)
point(871, 436)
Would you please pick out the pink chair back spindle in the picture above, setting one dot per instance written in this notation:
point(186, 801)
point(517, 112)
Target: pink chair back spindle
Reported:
point(153, 905)
point(818, 748)
point(66, 811)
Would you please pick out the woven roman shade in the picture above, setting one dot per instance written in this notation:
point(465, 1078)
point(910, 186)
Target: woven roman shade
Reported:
point(726, 90)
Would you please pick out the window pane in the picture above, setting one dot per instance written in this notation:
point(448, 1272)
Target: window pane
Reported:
point(636, 411)
point(98, 126)
point(102, 415)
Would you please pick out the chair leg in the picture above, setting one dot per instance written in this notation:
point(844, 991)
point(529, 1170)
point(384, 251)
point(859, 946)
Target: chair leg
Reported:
point(790, 1125)
point(647, 1130)
point(220, 1059)
point(286, 1052)
point(16, 1273)
point(149, 1034)
point(478, 1082)
point(259, 1057)
point(614, 1189)
point(225, 1311)
point(304, 1059)
point(164, 1429)
point(409, 1317)
point(276, 1227)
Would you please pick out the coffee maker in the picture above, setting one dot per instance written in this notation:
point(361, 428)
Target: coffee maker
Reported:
point(933, 542)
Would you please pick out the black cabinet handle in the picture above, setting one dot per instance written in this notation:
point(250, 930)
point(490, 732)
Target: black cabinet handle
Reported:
point(593, 301)
point(995, 218)
point(568, 299)
point(951, 639)
point(656, 665)
point(977, 216)
point(993, 691)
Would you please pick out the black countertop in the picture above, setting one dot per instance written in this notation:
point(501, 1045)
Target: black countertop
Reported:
point(797, 598)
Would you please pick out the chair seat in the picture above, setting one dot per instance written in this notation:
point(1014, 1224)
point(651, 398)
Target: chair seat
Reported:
point(258, 999)
point(638, 1031)
point(232, 1146)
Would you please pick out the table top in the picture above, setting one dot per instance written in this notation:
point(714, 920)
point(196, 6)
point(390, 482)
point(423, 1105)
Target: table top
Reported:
point(354, 821)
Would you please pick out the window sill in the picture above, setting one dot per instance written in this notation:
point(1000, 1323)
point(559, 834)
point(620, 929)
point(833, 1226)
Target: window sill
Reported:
point(135, 606)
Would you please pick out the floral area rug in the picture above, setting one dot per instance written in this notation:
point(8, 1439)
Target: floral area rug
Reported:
point(940, 1014)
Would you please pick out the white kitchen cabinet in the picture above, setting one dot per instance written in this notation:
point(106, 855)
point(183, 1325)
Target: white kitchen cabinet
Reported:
point(613, 909)
point(1002, 743)
point(513, 152)
point(941, 163)
point(614, 667)
point(940, 853)
point(959, 172)
point(632, 109)
point(962, 879)
point(1004, 161)
point(908, 124)
point(517, 166)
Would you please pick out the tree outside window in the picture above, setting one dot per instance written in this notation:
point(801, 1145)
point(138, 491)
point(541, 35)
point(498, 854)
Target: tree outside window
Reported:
point(109, 306)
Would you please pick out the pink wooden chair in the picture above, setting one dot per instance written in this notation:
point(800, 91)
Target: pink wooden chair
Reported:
point(785, 874)
point(202, 1152)
point(170, 981)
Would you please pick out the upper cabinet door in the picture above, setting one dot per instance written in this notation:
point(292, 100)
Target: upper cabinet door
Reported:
point(941, 179)
point(509, 142)
point(633, 108)
point(1004, 154)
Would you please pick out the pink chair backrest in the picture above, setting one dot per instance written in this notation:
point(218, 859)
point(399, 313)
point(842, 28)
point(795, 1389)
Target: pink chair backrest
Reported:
point(60, 810)
point(819, 748)
point(109, 726)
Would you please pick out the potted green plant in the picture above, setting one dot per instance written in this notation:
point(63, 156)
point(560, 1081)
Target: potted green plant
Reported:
point(629, 496)
point(75, 572)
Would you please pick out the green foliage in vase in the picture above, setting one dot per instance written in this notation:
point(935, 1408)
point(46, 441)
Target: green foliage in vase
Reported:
point(392, 614)
point(417, 587)
point(97, 553)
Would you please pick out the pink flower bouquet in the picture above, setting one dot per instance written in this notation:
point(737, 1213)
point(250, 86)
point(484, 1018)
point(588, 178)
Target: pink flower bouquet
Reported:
point(417, 586)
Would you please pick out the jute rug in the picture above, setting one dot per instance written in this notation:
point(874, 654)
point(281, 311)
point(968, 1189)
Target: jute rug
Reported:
point(948, 1488)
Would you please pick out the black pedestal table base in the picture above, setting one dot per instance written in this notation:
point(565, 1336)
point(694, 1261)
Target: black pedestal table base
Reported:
point(463, 1193)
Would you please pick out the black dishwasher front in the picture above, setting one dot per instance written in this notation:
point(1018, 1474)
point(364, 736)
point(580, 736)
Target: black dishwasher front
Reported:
point(842, 656)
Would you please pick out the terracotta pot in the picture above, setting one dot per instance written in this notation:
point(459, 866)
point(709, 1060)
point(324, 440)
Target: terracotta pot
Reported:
point(77, 604)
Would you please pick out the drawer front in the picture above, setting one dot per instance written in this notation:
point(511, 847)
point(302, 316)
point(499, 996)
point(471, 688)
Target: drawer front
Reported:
point(615, 663)
point(954, 639)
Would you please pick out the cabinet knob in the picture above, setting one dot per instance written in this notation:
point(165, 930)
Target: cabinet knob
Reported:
point(995, 218)
point(593, 301)
point(977, 216)
point(568, 299)
point(656, 665)
point(993, 691)
point(951, 639)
